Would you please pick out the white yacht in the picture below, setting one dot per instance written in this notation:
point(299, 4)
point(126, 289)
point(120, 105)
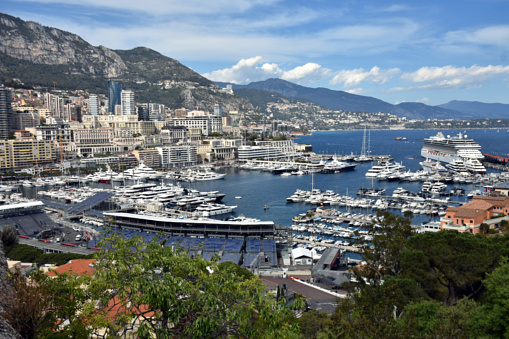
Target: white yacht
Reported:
point(210, 209)
point(206, 176)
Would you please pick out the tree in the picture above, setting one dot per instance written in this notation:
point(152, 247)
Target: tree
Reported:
point(484, 227)
point(449, 264)
point(433, 319)
point(27, 306)
point(9, 235)
point(492, 318)
point(390, 234)
point(314, 324)
point(155, 290)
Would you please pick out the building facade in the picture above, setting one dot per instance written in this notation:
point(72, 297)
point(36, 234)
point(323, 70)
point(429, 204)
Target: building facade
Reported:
point(5, 112)
point(26, 153)
point(178, 156)
point(127, 102)
point(114, 99)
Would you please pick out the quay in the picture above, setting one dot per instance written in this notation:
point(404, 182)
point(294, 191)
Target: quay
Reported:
point(342, 247)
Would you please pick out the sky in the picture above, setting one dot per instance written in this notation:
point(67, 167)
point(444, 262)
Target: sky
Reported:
point(407, 51)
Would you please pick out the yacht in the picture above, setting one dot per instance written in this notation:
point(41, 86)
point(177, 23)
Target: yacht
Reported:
point(336, 166)
point(384, 166)
point(210, 209)
point(206, 176)
point(450, 149)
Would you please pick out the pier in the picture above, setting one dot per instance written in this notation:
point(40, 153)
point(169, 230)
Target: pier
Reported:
point(342, 247)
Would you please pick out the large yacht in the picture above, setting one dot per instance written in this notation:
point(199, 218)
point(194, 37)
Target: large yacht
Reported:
point(450, 149)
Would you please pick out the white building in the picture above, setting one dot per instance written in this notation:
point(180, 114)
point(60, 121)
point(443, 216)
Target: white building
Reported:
point(258, 152)
point(207, 124)
point(93, 104)
point(127, 101)
point(178, 156)
point(302, 256)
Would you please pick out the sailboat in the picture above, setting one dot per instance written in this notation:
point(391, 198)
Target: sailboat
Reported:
point(363, 157)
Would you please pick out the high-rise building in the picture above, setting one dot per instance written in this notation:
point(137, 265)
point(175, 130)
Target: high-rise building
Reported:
point(114, 90)
point(93, 105)
point(218, 110)
point(5, 112)
point(143, 113)
point(127, 101)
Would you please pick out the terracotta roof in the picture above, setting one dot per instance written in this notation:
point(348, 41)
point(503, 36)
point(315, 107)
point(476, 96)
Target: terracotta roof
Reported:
point(473, 209)
point(496, 201)
point(75, 266)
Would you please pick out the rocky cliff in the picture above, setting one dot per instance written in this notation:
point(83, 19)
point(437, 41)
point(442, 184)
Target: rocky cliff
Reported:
point(6, 330)
point(43, 56)
point(38, 44)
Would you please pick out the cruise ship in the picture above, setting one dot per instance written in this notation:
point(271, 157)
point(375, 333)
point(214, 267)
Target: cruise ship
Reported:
point(450, 149)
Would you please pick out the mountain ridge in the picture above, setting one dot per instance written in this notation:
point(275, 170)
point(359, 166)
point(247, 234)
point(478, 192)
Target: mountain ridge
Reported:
point(48, 57)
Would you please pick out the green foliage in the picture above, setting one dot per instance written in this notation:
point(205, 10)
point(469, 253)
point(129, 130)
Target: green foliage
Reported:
point(27, 306)
point(491, 320)
point(9, 235)
point(315, 324)
point(390, 235)
point(25, 253)
point(449, 264)
point(436, 320)
point(172, 295)
point(484, 227)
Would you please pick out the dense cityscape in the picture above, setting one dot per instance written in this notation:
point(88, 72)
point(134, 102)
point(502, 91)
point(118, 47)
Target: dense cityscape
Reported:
point(141, 199)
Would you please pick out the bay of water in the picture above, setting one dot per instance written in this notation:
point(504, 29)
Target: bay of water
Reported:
point(258, 189)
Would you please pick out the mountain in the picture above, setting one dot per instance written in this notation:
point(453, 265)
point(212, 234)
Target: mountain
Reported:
point(340, 100)
point(480, 109)
point(48, 57)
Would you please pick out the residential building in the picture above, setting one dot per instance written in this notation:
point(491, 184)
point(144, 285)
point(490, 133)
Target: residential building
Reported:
point(150, 157)
point(93, 104)
point(178, 156)
point(469, 217)
point(156, 112)
point(174, 134)
point(114, 99)
point(23, 135)
point(22, 120)
point(207, 124)
point(143, 114)
point(127, 102)
point(5, 112)
point(26, 153)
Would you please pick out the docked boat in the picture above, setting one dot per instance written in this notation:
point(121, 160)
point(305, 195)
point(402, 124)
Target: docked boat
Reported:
point(210, 209)
point(450, 149)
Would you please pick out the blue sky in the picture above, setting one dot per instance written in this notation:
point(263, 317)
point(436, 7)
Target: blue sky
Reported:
point(430, 52)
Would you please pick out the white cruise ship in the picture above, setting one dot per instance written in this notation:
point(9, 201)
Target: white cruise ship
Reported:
point(450, 149)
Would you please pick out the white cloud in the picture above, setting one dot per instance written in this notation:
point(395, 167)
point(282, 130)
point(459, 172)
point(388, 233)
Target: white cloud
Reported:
point(172, 7)
point(306, 74)
point(454, 77)
point(252, 69)
point(358, 91)
point(246, 71)
point(492, 35)
point(354, 77)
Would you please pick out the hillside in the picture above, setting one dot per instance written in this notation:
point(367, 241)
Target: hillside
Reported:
point(340, 100)
point(43, 56)
point(479, 109)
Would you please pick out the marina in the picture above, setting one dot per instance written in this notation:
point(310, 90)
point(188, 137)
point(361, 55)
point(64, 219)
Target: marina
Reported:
point(340, 201)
